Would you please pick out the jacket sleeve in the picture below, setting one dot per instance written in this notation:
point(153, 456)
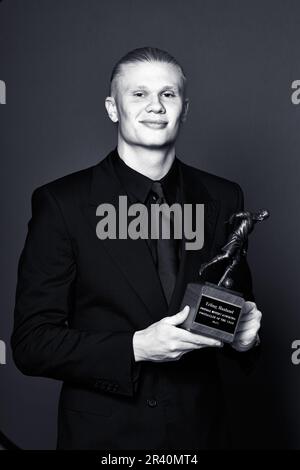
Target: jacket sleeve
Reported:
point(243, 283)
point(42, 343)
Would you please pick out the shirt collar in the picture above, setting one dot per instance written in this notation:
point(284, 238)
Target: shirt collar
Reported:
point(139, 186)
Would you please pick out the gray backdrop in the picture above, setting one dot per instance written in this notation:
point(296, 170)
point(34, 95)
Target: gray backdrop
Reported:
point(241, 58)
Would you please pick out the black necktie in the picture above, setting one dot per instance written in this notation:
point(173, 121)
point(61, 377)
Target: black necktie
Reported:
point(166, 247)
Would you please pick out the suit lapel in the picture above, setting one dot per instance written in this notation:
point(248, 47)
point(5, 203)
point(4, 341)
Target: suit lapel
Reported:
point(132, 256)
point(193, 191)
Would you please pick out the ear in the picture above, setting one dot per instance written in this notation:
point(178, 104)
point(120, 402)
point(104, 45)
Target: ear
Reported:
point(111, 108)
point(185, 110)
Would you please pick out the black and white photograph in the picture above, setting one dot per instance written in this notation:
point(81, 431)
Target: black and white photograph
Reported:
point(149, 237)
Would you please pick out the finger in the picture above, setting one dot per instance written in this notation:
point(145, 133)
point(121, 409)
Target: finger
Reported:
point(206, 341)
point(249, 325)
point(246, 336)
point(248, 306)
point(244, 343)
point(179, 317)
point(254, 314)
point(189, 337)
point(186, 347)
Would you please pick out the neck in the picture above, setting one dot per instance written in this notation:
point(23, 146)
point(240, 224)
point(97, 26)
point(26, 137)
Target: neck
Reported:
point(153, 163)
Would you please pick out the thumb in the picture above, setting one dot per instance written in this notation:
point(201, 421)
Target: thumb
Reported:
point(179, 317)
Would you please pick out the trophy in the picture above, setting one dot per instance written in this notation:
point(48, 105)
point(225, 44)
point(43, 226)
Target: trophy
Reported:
point(215, 310)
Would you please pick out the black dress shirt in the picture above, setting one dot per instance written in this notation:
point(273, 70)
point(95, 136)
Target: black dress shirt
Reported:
point(138, 188)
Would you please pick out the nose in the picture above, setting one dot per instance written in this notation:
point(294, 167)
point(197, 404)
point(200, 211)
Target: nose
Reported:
point(155, 105)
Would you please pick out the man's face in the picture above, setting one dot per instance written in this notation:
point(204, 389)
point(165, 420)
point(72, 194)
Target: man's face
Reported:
point(148, 104)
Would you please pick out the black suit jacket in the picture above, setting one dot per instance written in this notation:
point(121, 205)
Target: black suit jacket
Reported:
point(79, 301)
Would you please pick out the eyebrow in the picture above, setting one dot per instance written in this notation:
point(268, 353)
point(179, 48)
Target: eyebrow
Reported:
point(144, 87)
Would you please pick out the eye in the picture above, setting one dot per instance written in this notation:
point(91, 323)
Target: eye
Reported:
point(139, 94)
point(168, 94)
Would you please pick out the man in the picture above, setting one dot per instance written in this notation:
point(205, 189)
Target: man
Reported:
point(103, 314)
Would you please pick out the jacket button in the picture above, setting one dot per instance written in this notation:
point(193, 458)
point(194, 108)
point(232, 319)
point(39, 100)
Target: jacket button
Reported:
point(152, 402)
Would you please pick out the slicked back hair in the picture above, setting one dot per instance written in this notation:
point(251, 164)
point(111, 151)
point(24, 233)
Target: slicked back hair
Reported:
point(145, 54)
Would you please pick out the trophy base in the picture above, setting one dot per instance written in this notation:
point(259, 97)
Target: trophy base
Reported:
point(214, 311)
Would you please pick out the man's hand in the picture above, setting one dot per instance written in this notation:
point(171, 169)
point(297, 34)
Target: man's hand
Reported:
point(248, 327)
point(163, 341)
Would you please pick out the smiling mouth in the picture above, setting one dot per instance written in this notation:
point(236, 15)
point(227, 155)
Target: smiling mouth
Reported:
point(155, 124)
